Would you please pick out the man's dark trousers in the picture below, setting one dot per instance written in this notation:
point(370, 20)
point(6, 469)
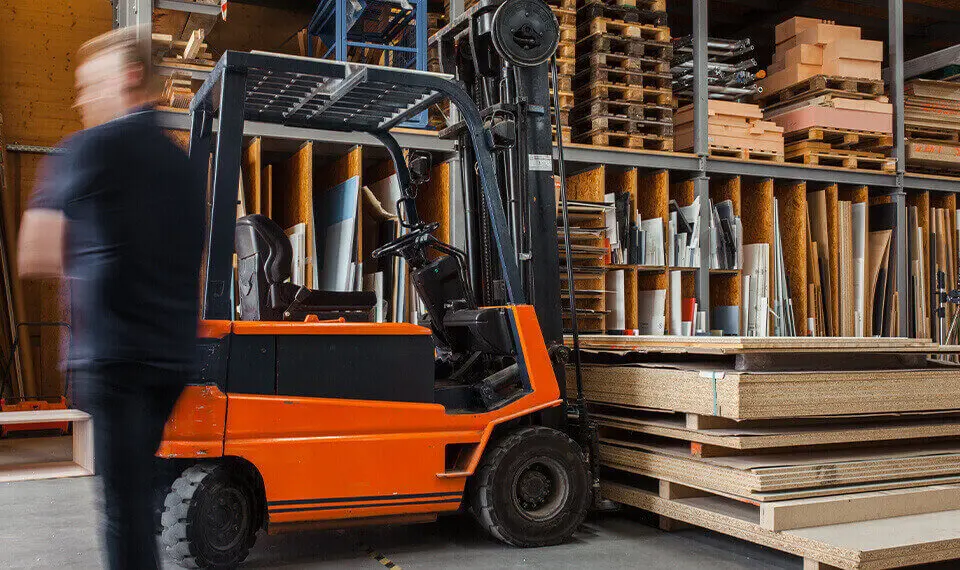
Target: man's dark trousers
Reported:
point(130, 403)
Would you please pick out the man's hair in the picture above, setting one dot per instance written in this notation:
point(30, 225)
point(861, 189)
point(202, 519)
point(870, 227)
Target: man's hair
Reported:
point(131, 42)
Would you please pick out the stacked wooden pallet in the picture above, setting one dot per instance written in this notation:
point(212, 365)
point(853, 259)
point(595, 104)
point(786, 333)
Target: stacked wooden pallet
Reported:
point(734, 129)
point(932, 124)
point(742, 436)
point(824, 89)
point(566, 13)
point(623, 82)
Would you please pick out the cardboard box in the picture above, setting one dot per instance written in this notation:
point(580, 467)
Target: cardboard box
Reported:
point(786, 30)
point(787, 77)
point(858, 68)
point(867, 50)
point(803, 54)
point(830, 117)
point(821, 34)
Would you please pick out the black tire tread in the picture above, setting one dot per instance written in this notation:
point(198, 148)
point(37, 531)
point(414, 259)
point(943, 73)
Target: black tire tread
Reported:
point(176, 510)
point(483, 484)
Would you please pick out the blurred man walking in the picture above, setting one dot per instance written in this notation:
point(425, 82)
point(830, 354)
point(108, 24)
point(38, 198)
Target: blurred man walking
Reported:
point(120, 214)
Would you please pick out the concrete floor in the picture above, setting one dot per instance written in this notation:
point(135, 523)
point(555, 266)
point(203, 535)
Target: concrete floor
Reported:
point(52, 524)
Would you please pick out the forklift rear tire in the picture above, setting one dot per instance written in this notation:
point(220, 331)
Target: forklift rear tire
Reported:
point(532, 488)
point(209, 517)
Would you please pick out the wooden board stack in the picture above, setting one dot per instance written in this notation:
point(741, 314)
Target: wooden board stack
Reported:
point(176, 59)
point(623, 82)
point(742, 436)
point(824, 89)
point(932, 124)
point(734, 129)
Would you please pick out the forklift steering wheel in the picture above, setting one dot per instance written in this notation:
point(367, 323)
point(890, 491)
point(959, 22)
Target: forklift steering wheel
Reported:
point(404, 241)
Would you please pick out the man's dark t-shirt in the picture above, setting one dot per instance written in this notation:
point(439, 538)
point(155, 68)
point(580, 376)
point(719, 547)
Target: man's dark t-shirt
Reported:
point(134, 209)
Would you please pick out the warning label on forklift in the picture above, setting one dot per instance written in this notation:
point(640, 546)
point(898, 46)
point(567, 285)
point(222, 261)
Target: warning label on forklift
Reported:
point(541, 162)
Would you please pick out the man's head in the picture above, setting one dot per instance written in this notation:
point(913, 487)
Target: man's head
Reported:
point(113, 76)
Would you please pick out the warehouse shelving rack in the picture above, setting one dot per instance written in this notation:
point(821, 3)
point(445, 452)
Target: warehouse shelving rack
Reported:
point(698, 166)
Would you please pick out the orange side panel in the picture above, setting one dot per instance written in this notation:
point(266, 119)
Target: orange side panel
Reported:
point(214, 329)
point(327, 328)
point(196, 427)
point(328, 459)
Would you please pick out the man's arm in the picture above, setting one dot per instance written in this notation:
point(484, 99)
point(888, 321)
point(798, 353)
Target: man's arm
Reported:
point(40, 250)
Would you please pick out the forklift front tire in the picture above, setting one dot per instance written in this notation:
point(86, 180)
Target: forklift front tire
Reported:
point(532, 488)
point(209, 517)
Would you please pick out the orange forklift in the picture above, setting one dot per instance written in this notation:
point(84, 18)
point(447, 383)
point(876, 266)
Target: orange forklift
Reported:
point(303, 413)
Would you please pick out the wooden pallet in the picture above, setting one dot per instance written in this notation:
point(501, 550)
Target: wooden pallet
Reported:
point(746, 153)
point(821, 154)
point(621, 140)
point(593, 9)
point(631, 93)
point(619, 28)
point(562, 4)
point(638, 63)
point(624, 124)
point(932, 134)
point(567, 50)
point(566, 66)
point(600, 74)
point(619, 45)
point(565, 81)
point(564, 16)
point(566, 99)
point(595, 107)
point(823, 84)
point(866, 545)
point(842, 138)
point(568, 33)
point(655, 5)
point(566, 134)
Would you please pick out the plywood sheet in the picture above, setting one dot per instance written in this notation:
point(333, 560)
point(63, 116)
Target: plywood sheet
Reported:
point(755, 476)
point(743, 345)
point(589, 185)
point(746, 395)
point(840, 509)
point(251, 170)
point(792, 206)
point(293, 199)
point(870, 545)
point(769, 435)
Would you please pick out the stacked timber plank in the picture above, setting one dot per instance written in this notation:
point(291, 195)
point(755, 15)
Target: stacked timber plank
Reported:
point(734, 129)
point(176, 59)
point(566, 13)
point(745, 437)
point(932, 124)
point(623, 81)
point(824, 89)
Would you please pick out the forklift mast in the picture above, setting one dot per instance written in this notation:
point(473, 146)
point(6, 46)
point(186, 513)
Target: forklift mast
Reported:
point(500, 51)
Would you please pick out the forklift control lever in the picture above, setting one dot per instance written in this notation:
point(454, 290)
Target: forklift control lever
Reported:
point(397, 246)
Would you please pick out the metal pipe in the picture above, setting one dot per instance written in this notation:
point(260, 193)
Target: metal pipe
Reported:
point(571, 284)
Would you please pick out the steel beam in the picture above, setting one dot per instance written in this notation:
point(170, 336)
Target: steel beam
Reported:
point(895, 56)
point(218, 286)
point(193, 7)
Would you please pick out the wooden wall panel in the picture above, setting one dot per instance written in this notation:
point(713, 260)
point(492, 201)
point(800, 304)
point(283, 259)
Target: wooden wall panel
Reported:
point(792, 206)
point(251, 171)
point(293, 203)
point(38, 43)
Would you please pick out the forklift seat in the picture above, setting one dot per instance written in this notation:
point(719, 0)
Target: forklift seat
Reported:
point(264, 255)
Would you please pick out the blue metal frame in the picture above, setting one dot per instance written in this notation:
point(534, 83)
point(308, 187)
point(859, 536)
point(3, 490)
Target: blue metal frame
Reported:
point(331, 26)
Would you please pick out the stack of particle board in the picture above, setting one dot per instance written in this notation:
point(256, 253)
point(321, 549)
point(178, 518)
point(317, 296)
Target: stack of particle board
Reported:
point(566, 13)
point(824, 89)
point(743, 436)
point(932, 124)
point(622, 85)
point(734, 129)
